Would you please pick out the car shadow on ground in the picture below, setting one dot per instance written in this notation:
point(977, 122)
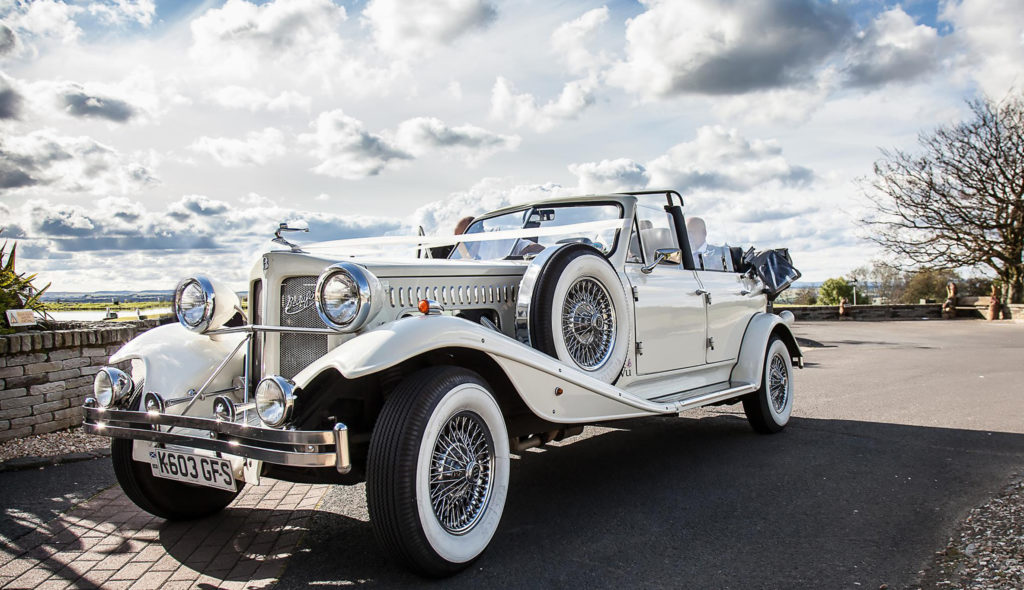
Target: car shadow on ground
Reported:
point(705, 502)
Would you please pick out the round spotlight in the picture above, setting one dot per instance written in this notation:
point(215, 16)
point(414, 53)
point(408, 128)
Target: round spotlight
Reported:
point(274, 400)
point(111, 385)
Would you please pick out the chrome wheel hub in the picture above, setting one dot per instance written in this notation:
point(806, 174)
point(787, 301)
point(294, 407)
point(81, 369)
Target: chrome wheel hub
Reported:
point(461, 472)
point(588, 323)
point(778, 383)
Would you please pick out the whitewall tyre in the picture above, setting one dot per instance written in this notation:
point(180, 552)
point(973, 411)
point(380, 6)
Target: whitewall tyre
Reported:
point(582, 317)
point(769, 408)
point(437, 470)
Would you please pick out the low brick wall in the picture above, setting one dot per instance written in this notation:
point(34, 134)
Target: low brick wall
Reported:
point(865, 312)
point(46, 376)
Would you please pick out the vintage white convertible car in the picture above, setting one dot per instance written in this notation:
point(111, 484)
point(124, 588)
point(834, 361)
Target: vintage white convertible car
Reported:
point(421, 376)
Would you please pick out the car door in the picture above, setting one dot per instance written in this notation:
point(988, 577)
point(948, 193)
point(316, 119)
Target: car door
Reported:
point(669, 314)
point(669, 318)
point(732, 300)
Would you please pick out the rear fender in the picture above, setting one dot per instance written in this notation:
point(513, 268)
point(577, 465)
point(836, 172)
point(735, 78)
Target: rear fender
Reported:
point(750, 364)
point(176, 359)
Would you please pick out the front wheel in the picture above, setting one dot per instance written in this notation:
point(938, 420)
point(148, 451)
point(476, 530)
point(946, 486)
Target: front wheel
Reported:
point(437, 470)
point(165, 498)
point(768, 409)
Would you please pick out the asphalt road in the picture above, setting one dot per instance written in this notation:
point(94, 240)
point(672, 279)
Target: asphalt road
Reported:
point(898, 430)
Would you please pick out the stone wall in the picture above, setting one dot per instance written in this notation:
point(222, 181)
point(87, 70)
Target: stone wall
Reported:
point(46, 376)
point(865, 312)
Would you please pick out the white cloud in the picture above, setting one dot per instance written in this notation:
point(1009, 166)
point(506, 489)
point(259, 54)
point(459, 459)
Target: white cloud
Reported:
point(241, 38)
point(717, 160)
point(609, 176)
point(440, 217)
point(410, 27)
point(992, 34)
point(192, 234)
point(423, 135)
point(8, 40)
point(893, 48)
point(137, 97)
point(346, 149)
point(121, 12)
point(721, 159)
point(46, 19)
point(569, 42)
point(43, 162)
point(709, 47)
point(11, 99)
point(254, 100)
point(522, 109)
point(790, 106)
point(258, 148)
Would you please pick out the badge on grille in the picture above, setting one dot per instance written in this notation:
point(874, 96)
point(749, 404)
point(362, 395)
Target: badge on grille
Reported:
point(299, 302)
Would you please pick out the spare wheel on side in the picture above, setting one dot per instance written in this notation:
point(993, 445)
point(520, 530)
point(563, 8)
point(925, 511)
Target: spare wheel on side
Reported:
point(578, 311)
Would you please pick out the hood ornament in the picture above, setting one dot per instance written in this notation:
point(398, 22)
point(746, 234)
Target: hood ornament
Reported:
point(279, 239)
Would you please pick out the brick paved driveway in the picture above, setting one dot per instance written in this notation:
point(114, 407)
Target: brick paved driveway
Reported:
point(108, 542)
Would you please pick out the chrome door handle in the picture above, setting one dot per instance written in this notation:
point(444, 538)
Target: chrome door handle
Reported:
point(701, 292)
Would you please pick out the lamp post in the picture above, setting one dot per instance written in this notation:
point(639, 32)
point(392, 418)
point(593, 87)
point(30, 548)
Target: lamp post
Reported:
point(854, 282)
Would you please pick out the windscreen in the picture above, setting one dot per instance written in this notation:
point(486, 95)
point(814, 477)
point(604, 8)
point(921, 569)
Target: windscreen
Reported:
point(546, 220)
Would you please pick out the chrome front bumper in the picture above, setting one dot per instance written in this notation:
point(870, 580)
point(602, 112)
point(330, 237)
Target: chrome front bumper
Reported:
point(295, 448)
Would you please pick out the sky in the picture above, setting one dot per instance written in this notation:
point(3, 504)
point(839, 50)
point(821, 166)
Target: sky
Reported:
point(142, 141)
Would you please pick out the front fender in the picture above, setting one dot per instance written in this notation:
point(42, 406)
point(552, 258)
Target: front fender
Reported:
point(536, 376)
point(750, 364)
point(176, 359)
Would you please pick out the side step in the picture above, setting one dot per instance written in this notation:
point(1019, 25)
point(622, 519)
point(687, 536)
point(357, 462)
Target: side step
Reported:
point(687, 400)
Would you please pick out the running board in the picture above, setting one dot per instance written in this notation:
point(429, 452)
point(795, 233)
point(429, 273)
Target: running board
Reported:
point(687, 400)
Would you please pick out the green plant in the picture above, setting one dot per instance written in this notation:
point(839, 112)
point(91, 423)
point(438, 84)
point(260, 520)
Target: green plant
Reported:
point(928, 284)
point(16, 290)
point(833, 290)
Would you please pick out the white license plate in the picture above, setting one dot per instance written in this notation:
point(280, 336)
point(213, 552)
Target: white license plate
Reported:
point(197, 469)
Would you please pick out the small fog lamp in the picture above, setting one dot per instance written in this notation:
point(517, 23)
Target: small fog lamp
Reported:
point(274, 400)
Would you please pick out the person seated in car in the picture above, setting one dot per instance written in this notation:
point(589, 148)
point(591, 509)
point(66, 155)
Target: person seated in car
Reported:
point(706, 256)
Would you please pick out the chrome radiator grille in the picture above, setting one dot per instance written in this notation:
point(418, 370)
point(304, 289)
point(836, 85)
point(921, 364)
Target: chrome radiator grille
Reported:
point(298, 310)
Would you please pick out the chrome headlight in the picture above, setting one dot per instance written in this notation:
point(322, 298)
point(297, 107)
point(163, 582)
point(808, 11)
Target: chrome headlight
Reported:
point(274, 400)
point(344, 296)
point(202, 304)
point(110, 386)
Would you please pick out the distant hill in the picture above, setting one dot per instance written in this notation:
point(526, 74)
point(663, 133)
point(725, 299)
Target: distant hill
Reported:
point(111, 296)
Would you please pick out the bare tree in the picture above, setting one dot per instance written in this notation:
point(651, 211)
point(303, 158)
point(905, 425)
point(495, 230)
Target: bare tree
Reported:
point(959, 202)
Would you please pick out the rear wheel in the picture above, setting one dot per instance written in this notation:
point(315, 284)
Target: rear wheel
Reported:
point(768, 409)
point(437, 470)
point(165, 498)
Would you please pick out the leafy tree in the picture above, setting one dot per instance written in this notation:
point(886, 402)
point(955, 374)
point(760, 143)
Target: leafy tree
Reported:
point(833, 290)
point(959, 202)
point(887, 280)
point(806, 296)
point(16, 290)
point(974, 287)
point(928, 283)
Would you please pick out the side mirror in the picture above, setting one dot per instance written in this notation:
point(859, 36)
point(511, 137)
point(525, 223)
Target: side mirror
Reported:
point(660, 255)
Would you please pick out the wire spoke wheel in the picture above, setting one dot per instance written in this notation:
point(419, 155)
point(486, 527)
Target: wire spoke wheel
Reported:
point(461, 475)
point(588, 323)
point(778, 383)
